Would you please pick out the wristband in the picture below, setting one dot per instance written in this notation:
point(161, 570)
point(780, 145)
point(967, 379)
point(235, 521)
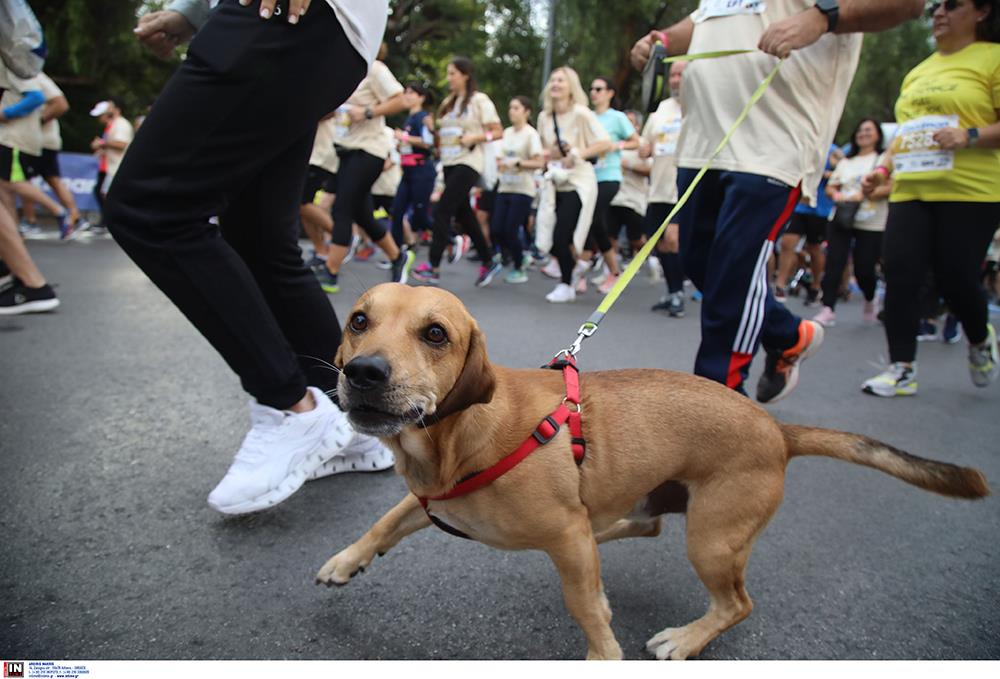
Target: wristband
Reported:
point(489, 136)
point(621, 146)
point(884, 170)
point(662, 37)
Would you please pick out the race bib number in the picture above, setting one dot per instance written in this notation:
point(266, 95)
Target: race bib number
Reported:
point(510, 179)
point(666, 139)
point(451, 142)
point(343, 120)
point(916, 150)
point(713, 9)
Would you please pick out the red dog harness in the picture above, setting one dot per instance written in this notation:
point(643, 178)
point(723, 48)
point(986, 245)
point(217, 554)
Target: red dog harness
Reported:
point(567, 412)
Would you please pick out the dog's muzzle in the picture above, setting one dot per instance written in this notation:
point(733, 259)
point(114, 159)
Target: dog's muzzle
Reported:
point(366, 395)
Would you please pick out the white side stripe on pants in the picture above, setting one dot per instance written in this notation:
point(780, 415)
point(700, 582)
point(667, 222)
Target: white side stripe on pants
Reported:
point(753, 308)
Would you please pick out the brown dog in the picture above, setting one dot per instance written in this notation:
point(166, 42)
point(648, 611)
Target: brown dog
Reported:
point(415, 355)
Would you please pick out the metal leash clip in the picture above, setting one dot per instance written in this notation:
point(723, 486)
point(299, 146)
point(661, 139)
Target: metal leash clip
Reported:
point(586, 330)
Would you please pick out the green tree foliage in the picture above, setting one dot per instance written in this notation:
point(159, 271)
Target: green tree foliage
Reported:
point(93, 55)
point(885, 59)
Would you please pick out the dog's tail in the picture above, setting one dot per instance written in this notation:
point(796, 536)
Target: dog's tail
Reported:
point(937, 477)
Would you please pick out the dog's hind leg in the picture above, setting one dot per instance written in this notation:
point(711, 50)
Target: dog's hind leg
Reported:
point(723, 519)
point(405, 518)
point(630, 528)
point(575, 556)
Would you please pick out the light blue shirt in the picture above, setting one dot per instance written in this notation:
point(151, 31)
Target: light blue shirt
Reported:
point(619, 128)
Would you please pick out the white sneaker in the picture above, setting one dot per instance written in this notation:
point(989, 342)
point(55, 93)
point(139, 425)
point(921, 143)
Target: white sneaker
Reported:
point(899, 380)
point(279, 453)
point(602, 273)
point(655, 269)
point(552, 269)
point(984, 360)
point(363, 454)
point(561, 293)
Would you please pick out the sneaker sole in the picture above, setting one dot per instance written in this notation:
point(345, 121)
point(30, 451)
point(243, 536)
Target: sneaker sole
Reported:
point(890, 391)
point(793, 374)
point(372, 461)
point(340, 435)
point(36, 307)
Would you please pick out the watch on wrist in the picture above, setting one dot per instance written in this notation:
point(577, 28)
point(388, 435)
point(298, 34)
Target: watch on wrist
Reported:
point(831, 10)
point(973, 133)
point(369, 113)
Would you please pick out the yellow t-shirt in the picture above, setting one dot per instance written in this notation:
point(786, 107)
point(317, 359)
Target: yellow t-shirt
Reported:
point(957, 90)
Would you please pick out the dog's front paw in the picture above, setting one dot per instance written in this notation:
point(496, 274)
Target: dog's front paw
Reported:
point(342, 567)
point(677, 643)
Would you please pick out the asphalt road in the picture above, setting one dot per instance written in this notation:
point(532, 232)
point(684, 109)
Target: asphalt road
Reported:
point(118, 418)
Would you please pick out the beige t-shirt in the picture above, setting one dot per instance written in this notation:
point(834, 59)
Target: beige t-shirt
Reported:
point(24, 133)
point(662, 131)
point(480, 113)
point(379, 86)
point(872, 214)
point(788, 132)
point(51, 137)
point(578, 127)
point(121, 130)
point(518, 145)
point(634, 189)
point(388, 182)
point(324, 154)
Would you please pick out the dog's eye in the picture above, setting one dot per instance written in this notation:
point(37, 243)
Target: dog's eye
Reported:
point(435, 334)
point(359, 322)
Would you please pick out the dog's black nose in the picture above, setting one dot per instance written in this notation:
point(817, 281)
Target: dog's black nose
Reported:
point(367, 372)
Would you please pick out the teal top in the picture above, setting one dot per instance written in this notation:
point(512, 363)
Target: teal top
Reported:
point(619, 127)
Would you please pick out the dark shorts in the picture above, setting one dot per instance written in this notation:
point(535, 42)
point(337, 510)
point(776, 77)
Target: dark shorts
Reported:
point(318, 179)
point(813, 227)
point(6, 162)
point(487, 200)
point(45, 165)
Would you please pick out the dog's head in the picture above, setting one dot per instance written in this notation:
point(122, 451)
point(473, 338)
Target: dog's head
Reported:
point(407, 354)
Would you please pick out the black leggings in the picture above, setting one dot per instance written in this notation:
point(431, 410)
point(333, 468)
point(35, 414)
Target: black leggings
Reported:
point(619, 215)
point(510, 213)
point(951, 240)
point(568, 206)
point(354, 205)
point(454, 204)
point(866, 251)
point(606, 192)
point(673, 267)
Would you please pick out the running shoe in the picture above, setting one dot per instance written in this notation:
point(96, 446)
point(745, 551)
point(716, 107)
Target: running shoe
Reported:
point(552, 270)
point(952, 333)
point(29, 229)
point(364, 253)
point(383, 264)
point(826, 317)
point(460, 246)
point(363, 454)
point(281, 450)
point(928, 332)
point(900, 379)
point(602, 273)
point(675, 307)
point(515, 276)
point(696, 296)
point(66, 227)
point(352, 248)
point(488, 273)
point(402, 266)
point(561, 293)
point(812, 297)
point(780, 294)
point(425, 274)
point(781, 369)
point(579, 276)
point(19, 299)
point(327, 280)
point(609, 282)
point(6, 277)
point(316, 261)
point(984, 360)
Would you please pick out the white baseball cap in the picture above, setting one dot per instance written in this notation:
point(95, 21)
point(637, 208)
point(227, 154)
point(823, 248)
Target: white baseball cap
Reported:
point(100, 108)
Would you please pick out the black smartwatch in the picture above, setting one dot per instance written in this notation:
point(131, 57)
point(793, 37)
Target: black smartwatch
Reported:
point(831, 10)
point(369, 113)
point(973, 133)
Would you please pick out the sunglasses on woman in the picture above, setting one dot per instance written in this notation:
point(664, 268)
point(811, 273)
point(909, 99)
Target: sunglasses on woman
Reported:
point(949, 6)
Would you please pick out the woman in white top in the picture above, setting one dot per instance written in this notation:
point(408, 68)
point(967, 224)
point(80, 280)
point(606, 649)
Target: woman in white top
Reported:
point(571, 135)
point(466, 121)
point(521, 155)
point(628, 207)
point(865, 231)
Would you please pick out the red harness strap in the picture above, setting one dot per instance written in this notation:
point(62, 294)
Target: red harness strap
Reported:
point(567, 412)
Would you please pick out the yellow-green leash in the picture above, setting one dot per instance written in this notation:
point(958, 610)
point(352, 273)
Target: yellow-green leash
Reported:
point(590, 326)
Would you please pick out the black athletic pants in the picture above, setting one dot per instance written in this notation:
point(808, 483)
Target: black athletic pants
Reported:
point(864, 246)
point(354, 205)
point(949, 239)
point(598, 238)
point(510, 215)
point(454, 203)
point(230, 136)
point(568, 207)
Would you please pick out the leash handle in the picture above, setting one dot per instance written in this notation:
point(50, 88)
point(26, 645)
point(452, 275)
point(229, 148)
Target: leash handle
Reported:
point(590, 326)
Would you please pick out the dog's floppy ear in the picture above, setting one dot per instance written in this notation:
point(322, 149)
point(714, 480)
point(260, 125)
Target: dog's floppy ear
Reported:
point(475, 384)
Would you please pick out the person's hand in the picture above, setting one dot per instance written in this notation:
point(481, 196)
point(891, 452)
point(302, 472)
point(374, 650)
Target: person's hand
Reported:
point(872, 181)
point(356, 113)
point(951, 138)
point(794, 32)
point(642, 49)
point(296, 8)
point(161, 32)
point(645, 149)
point(96, 144)
point(402, 136)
